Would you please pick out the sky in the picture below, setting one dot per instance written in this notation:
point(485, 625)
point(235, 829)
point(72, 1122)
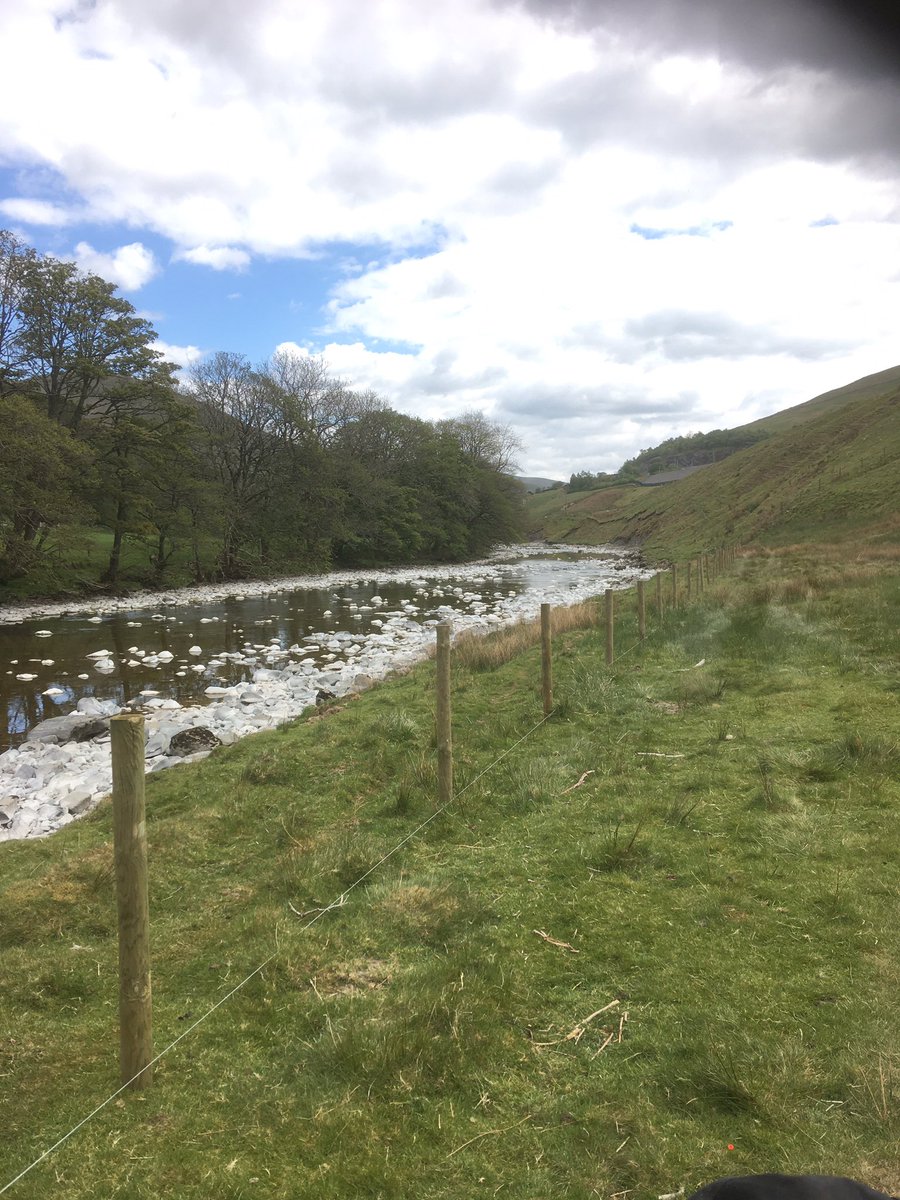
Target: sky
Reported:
point(600, 222)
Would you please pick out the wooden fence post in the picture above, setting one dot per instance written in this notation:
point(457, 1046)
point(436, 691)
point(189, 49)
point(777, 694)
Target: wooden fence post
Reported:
point(132, 900)
point(674, 586)
point(442, 712)
point(659, 599)
point(642, 610)
point(610, 628)
point(546, 660)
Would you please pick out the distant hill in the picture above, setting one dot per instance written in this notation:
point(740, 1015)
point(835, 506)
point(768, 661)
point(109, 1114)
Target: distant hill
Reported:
point(827, 471)
point(532, 483)
point(677, 454)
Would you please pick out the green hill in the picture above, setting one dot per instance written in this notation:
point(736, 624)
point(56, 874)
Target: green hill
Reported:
point(868, 387)
point(827, 472)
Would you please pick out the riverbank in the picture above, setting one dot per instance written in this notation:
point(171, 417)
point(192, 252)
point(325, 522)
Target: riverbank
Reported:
point(100, 603)
point(709, 850)
point(251, 664)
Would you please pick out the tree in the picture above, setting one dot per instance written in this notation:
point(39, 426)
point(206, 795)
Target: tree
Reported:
point(487, 443)
point(16, 259)
point(77, 338)
point(65, 335)
point(234, 412)
point(141, 451)
point(42, 468)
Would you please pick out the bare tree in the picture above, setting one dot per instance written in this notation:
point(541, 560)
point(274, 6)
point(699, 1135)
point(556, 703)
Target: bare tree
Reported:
point(487, 443)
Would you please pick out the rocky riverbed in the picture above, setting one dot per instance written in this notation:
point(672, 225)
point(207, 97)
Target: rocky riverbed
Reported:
point(62, 768)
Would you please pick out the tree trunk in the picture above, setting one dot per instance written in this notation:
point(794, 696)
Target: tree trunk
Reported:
point(111, 574)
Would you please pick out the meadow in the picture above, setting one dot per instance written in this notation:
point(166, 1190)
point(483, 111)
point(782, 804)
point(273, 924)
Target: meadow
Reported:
point(653, 941)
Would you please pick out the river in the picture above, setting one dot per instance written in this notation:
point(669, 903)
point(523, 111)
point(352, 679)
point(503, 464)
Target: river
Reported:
point(175, 652)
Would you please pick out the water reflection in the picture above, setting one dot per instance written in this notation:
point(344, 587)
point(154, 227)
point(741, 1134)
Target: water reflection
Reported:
point(235, 633)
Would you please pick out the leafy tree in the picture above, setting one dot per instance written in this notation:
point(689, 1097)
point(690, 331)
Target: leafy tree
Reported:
point(74, 339)
point(141, 452)
point(16, 260)
point(42, 468)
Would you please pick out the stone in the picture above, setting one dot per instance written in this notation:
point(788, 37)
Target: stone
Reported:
point(56, 729)
point(88, 730)
point(188, 741)
point(79, 801)
point(157, 743)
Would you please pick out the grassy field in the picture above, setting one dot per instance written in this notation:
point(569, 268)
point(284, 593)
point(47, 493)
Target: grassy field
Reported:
point(655, 943)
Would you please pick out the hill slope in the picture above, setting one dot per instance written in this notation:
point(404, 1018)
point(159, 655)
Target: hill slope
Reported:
point(830, 476)
point(868, 387)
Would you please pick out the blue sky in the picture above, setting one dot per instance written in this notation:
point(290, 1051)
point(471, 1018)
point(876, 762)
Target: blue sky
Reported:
point(600, 224)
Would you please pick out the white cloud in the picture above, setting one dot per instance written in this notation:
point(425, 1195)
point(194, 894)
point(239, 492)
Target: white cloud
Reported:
point(220, 258)
point(182, 356)
point(128, 267)
point(36, 212)
point(496, 157)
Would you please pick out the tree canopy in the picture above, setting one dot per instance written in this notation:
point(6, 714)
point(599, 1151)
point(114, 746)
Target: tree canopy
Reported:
point(239, 469)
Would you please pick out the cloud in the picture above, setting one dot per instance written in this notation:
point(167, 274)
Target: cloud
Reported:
point(688, 336)
point(129, 267)
point(602, 222)
point(182, 356)
point(36, 212)
point(220, 258)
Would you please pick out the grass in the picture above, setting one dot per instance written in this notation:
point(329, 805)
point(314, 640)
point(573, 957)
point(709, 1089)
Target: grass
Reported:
point(724, 876)
point(77, 556)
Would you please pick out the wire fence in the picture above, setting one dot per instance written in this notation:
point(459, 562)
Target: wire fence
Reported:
point(338, 902)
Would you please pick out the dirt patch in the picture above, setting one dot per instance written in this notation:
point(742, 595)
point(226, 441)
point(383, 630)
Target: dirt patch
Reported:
point(366, 975)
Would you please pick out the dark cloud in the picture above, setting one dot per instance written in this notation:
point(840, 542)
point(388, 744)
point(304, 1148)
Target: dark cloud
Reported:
point(849, 110)
point(551, 403)
point(854, 39)
point(690, 336)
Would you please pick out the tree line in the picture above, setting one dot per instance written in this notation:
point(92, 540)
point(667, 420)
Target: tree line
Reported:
point(687, 450)
point(238, 470)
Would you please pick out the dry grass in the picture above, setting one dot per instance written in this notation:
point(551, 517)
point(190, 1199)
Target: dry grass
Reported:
point(484, 652)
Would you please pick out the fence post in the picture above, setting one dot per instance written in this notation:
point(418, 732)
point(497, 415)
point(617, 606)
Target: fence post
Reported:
point(689, 581)
point(546, 660)
point(442, 713)
point(610, 628)
point(132, 900)
point(659, 599)
point(674, 586)
point(642, 610)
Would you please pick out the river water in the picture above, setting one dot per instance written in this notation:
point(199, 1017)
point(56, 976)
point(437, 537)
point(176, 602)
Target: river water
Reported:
point(45, 676)
point(201, 646)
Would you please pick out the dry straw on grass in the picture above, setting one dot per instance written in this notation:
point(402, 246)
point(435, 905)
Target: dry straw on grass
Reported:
point(481, 652)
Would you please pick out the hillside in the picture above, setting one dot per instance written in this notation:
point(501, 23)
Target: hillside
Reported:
point(692, 450)
point(829, 475)
point(868, 387)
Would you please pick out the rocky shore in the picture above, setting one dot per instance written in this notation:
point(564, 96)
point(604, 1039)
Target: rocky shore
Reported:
point(63, 769)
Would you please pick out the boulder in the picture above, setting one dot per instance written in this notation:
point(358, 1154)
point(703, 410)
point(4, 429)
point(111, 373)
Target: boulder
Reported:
point(57, 729)
point(188, 741)
point(93, 727)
